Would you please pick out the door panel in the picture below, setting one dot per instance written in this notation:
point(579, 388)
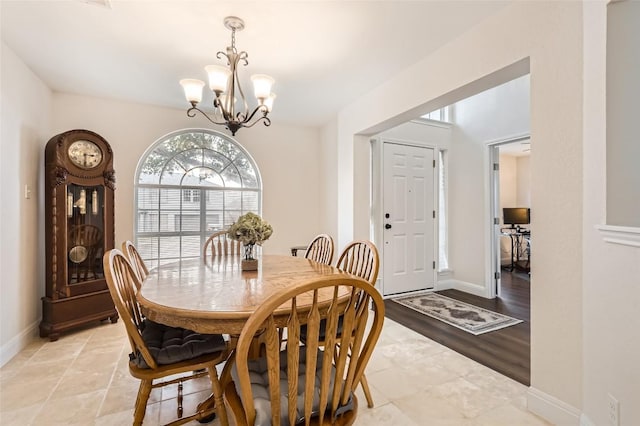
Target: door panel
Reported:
point(408, 200)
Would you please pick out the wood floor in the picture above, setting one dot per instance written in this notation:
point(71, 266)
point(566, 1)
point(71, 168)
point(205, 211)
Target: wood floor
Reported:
point(506, 351)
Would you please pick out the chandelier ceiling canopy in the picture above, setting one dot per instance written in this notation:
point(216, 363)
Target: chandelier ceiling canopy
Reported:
point(230, 107)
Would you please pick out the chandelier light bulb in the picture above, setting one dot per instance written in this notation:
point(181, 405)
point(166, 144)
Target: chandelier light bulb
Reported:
point(192, 89)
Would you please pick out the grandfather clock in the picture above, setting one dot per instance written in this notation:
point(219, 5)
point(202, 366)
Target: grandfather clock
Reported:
point(79, 191)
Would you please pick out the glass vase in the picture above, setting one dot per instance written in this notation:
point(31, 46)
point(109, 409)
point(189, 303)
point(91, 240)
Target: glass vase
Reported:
point(249, 262)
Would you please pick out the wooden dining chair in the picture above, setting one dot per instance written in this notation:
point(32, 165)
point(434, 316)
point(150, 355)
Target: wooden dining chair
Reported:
point(359, 258)
point(138, 265)
point(320, 249)
point(219, 244)
point(305, 384)
point(159, 351)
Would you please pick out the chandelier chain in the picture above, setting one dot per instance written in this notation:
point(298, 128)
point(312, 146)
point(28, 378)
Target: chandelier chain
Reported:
point(233, 39)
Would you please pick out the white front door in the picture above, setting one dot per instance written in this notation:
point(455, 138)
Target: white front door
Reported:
point(408, 218)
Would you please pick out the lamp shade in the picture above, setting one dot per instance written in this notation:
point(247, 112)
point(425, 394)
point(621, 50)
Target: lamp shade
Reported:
point(269, 101)
point(192, 89)
point(262, 85)
point(218, 77)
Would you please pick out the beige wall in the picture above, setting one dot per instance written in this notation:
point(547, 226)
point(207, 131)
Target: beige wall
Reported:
point(26, 120)
point(286, 156)
point(515, 181)
point(554, 48)
point(523, 185)
point(508, 181)
point(328, 184)
point(508, 196)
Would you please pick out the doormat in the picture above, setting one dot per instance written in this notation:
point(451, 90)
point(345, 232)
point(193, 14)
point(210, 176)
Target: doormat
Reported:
point(470, 318)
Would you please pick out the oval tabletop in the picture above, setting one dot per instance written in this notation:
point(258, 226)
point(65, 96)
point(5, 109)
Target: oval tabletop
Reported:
point(218, 297)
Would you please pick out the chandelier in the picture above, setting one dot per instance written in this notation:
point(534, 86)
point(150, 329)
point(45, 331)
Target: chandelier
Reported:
point(225, 84)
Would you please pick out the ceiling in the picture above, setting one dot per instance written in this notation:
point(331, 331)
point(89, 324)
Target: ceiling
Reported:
point(516, 149)
point(322, 54)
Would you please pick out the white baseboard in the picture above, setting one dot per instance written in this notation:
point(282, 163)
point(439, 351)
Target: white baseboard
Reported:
point(467, 287)
point(18, 343)
point(554, 410)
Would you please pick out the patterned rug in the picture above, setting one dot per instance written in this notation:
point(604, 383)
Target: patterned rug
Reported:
point(470, 318)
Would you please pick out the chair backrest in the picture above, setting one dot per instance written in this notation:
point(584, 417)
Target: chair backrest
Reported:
point(138, 265)
point(312, 391)
point(361, 259)
point(320, 249)
point(219, 244)
point(122, 283)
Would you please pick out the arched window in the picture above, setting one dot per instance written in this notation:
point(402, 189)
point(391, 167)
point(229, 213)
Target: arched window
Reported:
point(189, 184)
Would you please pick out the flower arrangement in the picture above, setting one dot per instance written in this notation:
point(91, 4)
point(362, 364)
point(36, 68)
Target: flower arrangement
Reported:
point(250, 229)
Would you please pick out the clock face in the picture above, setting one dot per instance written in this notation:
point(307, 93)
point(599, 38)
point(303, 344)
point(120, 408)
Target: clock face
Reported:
point(85, 154)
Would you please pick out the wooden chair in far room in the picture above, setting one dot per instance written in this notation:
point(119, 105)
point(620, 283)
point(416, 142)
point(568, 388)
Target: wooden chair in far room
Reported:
point(138, 265)
point(219, 244)
point(320, 249)
point(160, 351)
point(306, 384)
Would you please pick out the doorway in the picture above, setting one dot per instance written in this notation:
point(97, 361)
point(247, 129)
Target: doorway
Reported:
point(510, 244)
point(408, 217)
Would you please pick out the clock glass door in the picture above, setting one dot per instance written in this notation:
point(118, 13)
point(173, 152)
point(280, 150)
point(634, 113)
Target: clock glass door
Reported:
point(85, 228)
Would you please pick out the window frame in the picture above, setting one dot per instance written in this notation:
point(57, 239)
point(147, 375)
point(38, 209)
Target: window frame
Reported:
point(155, 254)
point(443, 211)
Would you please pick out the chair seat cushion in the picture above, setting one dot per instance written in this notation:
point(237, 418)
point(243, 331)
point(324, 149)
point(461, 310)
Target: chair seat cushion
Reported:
point(323, 330)
point(259, 374)
point(170, 345)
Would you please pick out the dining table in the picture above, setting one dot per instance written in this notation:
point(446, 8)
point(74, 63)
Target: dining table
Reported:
point(217, 296)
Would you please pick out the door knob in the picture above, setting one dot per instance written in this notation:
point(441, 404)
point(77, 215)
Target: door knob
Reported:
point(387, 226)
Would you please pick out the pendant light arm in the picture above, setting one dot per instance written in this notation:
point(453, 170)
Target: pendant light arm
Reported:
point(191, 112)
point(262, 109)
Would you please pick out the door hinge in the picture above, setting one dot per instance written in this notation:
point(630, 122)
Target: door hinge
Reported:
point(434, 214)
point(496, 221)
point(497, 275)
point(434, 264)
point(496, 166)
point(434, 164)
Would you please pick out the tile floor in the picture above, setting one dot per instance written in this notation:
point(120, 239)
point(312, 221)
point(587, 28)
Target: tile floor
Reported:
point(82, 379)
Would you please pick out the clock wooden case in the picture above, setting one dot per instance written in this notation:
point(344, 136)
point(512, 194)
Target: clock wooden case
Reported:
point(79, 195)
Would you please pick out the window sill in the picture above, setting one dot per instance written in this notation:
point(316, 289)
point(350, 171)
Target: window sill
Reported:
point(624, 235)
